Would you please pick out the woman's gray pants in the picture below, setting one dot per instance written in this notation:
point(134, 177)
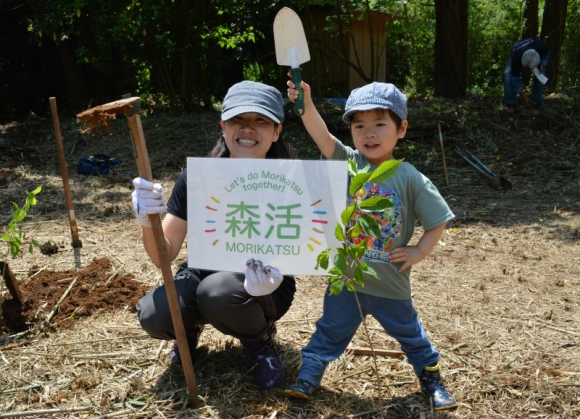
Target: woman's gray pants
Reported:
point(216, 298)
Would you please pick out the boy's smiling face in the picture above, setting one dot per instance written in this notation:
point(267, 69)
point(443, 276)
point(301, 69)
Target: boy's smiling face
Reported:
point(250, 135)
point(375, 134)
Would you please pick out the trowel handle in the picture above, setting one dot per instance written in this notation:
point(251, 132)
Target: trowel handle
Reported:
point(296, 74)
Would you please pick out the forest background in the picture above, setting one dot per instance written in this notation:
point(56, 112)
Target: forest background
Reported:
point(182, 55)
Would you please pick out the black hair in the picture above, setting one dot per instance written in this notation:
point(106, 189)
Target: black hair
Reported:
point(278, 150)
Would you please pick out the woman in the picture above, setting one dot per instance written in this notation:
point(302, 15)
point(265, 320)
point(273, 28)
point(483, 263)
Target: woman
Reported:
point(243, 306)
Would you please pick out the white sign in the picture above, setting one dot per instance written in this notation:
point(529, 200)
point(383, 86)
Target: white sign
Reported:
point(281, 212)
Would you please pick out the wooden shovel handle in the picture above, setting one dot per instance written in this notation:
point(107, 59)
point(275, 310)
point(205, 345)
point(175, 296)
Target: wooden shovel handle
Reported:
point(144, 168)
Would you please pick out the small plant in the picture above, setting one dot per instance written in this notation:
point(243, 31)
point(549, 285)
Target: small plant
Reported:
point(14, 235)
point(348, 267)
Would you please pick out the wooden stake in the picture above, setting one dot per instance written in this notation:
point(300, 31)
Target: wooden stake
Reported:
point(443, 153)
point(378, 352)
point(11, 281)
point(76, 243)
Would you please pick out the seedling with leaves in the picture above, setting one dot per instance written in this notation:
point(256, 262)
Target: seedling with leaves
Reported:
point(15, 238)
point(348, 268)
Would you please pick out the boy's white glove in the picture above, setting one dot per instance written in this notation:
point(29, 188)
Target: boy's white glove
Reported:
point(147, 199)
point(261, 280)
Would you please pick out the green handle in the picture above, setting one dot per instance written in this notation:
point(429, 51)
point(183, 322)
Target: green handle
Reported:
point(296, 74)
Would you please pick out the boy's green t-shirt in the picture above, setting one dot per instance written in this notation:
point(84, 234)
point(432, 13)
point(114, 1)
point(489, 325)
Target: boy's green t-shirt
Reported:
point(414, 198)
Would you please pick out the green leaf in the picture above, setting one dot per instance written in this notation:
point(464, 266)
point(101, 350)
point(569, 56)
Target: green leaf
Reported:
point(36, 242)
point(351, 167)
point(369, 271)
point(385, 171)
point(336, 287)
point(370, 225)
point(340, 263)
point(352, 252)
point(359, 277)
point(336, 272)
point(350, 286)
point(347, 214)
point(358, 182)
point(376, 203)
point(360, 249)
point(339, 233)
point(14, 248)
point(322, 260)
point(355, 230)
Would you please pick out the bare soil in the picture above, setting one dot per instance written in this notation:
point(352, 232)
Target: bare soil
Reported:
point(499, 296)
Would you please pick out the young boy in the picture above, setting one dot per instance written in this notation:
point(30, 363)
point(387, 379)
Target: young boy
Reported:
point(377, 115)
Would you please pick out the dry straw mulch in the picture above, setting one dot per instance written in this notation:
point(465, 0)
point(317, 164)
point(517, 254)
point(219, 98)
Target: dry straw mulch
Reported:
point(499, 296)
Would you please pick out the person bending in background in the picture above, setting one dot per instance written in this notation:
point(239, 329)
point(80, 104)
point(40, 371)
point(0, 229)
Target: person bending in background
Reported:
point(532, 54)
point(242, 306)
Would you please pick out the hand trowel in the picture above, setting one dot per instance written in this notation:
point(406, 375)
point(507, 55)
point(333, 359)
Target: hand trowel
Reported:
point(291, 48)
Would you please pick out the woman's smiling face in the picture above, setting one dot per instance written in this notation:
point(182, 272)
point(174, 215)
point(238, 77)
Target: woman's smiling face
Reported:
point(250, 135)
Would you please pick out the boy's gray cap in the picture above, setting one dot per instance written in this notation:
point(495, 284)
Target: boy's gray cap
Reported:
point(376, 96)
point(530, 58)
point(249, 96)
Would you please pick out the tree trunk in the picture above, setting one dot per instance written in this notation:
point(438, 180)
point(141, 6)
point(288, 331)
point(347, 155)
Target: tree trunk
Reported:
point(11, 281)
point(531, 23)
point(553, 30)
point(73, 75)
point(451, 48)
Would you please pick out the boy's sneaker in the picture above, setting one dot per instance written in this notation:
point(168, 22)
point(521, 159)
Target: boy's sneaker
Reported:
point(192, 340)
point(432, 387)
point(301, 390)
point(269, 371)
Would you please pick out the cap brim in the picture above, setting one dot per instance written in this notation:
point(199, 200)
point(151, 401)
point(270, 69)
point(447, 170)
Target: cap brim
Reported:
point(238, 110)
point(363, 108)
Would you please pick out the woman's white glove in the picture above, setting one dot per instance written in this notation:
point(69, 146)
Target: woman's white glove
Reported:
point(261, 280)
point(147, 199)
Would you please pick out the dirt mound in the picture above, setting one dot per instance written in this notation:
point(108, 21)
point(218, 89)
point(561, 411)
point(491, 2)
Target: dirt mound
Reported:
point(96, 291)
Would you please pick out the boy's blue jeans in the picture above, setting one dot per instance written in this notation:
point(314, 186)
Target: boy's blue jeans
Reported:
point(341, 319)
point(513, 85)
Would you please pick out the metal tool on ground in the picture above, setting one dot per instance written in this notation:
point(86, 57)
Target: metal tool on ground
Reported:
point(496, 182)
point(76, 243)
point(443, 153)
point(291, 48)
point(131, 107)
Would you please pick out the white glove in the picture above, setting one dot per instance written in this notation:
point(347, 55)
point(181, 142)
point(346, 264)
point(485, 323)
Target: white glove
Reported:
point(147, 199)
point(261, 280)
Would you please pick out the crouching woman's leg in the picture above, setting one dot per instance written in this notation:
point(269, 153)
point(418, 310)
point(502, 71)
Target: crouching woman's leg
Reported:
point(155, 316)
point(227, 306)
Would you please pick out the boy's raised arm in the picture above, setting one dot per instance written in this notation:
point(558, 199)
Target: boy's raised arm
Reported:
point(312, 120)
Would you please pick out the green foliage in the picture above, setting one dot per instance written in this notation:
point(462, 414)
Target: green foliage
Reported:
point(347, 266)
point(190, 52)
point(14, 236)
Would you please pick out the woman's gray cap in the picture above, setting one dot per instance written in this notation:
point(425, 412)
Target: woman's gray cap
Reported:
point(376, 96)
point(530, 58)
point(250, 96)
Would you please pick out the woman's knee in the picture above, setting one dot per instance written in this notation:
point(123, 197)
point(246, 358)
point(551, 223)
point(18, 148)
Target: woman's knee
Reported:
point(153, 310)
point(221, 292)
point(154, 315)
